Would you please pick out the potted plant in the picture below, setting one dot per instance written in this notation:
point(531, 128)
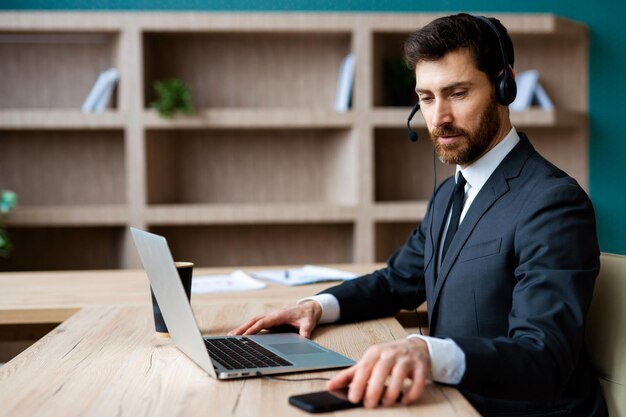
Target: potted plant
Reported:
point(173, 96)
point(8, 200)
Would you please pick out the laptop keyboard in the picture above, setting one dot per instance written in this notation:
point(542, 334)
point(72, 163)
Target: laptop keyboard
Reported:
point(242, 353)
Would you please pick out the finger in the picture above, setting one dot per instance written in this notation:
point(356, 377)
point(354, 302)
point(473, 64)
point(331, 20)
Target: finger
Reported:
point(361, 377)
point(377, 380)
point(305, 332)
point(262, 324)
point(342, 379)
point(420, 376)
point(396, 382)
point(239, 330)
point(306, 327)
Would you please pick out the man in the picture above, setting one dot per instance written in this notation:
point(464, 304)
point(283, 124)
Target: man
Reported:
point(508, 290)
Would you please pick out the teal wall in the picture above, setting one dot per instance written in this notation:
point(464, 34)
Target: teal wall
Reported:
point(607, 88)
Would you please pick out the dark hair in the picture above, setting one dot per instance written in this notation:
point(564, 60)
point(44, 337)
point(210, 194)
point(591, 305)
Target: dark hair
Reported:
point(451, 33)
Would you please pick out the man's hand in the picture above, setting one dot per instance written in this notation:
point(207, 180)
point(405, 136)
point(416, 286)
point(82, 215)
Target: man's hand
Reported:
point(400, 360)
point(303, 317)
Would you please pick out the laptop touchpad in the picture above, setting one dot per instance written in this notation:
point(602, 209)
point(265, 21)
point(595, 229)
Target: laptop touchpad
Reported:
point(296, 348)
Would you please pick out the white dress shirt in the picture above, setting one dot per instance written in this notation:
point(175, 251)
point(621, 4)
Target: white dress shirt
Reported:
point(447, 359)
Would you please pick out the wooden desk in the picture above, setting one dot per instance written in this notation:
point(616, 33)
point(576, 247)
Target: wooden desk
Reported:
point(52, 297)
point(106, 361)
point(104, 358)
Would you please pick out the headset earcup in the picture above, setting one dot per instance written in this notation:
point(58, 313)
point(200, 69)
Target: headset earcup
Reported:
point(506, 89)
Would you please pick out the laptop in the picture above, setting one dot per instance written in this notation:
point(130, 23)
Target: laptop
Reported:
point(224, 357)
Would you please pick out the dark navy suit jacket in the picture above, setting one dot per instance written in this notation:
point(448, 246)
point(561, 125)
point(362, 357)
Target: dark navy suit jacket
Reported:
point(512, 292)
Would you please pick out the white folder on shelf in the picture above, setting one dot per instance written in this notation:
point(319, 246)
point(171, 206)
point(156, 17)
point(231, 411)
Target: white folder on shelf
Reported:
point(542, 98)
point(98, 98)
point(344, 83)
point(529, 89)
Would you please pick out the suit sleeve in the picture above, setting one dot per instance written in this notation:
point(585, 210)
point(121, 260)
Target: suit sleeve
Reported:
point(557, 256)
point(385, 292)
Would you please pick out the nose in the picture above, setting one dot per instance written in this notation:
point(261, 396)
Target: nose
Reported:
point(441, 113)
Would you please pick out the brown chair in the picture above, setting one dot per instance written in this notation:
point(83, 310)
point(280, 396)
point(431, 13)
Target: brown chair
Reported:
point(606, 331)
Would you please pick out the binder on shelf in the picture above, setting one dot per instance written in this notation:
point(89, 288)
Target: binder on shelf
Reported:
point(98, 98)
point(529, 89)
point(542, 98)
point(344, 83)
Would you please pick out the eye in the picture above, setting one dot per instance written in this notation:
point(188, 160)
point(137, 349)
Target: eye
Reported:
point(425, 99)
point(459, 94)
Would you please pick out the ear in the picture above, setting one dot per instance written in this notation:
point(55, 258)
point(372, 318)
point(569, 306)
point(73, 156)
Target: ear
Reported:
point(512, 71)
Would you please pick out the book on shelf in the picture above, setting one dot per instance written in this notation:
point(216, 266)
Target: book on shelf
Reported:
point(345, 83)
point(100, 94)
point(529, 91)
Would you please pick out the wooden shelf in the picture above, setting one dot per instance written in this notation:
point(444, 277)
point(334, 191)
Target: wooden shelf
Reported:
point(266, 172)
point(60, 119)
point(518, 24)
point(553, 119)
point(406, 211)
point(246, 166)
point(49, 248)
point(207, 214)
point(102, 215)
point(263, 244)
point(279, 118)
point(390, 236)
point(64, 167)
point(533, 118)
point(248, 70)
point(52, 70)
point(404, 170)
point(545, 26)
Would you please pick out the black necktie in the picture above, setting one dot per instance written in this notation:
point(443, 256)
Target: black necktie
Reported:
point(458, 196)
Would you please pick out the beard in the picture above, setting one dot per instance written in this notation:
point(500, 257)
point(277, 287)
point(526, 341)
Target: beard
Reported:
point(475, 143)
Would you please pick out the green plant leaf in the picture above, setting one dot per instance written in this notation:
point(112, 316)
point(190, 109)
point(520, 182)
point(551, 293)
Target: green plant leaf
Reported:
point(173, 96)
point(5, 244)
point(8, 200)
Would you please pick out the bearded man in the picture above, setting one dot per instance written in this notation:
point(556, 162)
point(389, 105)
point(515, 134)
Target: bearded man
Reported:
point(506, 256)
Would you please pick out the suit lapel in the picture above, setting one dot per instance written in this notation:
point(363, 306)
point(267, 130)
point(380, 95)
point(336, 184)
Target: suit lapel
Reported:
point(483, 201)
point(442, 198)
point(495, 187)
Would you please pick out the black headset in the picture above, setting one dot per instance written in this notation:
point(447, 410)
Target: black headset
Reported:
point(506, 88)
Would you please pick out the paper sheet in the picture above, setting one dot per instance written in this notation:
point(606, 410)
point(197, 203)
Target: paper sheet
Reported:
point(236, 281)
point(308, 274)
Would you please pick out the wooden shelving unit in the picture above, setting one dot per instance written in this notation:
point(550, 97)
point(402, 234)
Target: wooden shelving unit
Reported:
point(266, 172)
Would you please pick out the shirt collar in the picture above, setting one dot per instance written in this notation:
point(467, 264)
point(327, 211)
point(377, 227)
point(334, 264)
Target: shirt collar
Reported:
point(479, 172)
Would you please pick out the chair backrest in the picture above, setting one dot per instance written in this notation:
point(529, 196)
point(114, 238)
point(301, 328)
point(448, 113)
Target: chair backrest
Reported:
point(606, 331)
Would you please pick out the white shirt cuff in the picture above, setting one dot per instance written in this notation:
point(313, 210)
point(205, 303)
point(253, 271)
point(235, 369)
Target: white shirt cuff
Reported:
point(330, 307)
point(447, 360)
